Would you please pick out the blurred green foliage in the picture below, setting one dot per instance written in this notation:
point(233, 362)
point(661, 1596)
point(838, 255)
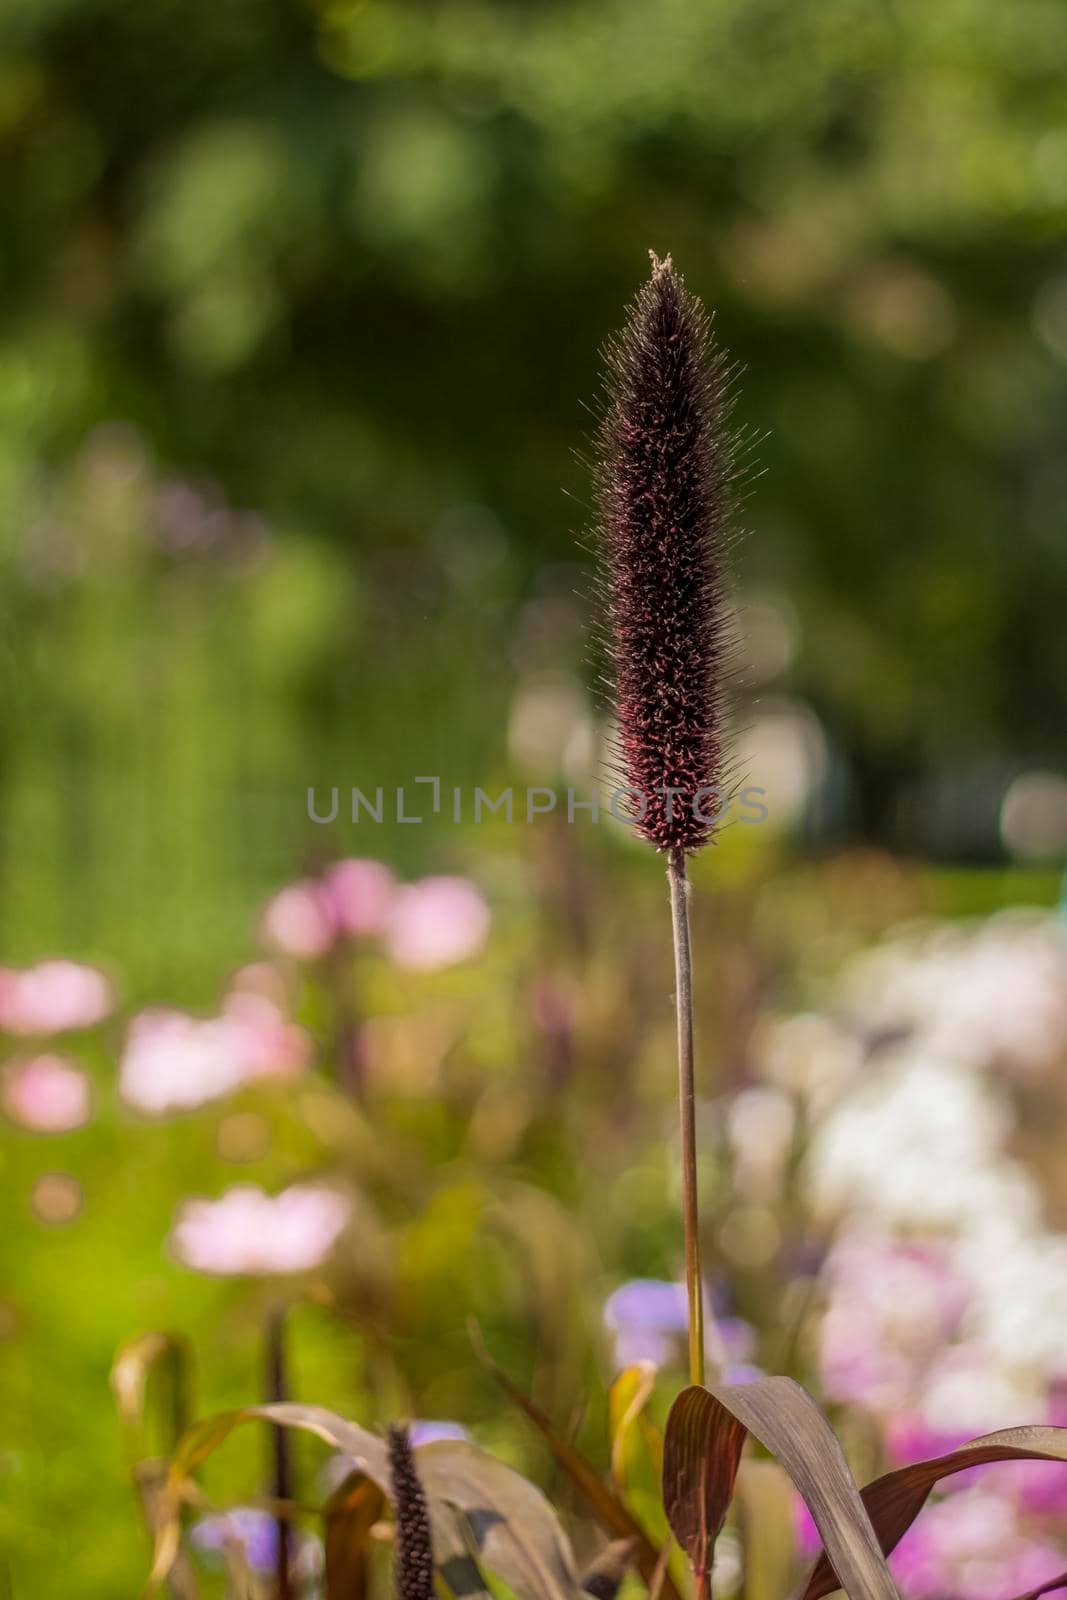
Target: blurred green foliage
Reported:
point(352, 261)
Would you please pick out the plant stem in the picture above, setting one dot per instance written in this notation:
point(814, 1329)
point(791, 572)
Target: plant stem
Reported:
point(277, 1389)
point(683, 1001)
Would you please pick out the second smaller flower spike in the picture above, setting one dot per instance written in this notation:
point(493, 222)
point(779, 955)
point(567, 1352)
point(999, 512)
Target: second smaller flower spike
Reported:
point(413, 1562)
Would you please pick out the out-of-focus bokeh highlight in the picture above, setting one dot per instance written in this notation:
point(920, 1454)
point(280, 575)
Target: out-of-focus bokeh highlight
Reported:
point(298, 340)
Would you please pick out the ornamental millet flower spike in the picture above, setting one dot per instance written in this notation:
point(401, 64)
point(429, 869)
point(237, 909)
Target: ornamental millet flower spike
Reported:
point(413, 1561)
point(664, 469)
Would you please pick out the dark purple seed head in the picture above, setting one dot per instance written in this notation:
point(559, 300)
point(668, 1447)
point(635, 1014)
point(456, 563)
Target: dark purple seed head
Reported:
point(413, 1561)
point(663, 479)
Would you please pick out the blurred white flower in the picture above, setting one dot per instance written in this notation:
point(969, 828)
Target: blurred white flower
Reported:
point(53, 997)
point(173, 1061)
point(760, 1124)
point(920, 1143)
point(995, 995)
point(47, 1094)
point(808, 1055)
point(1020, 1308)
point(437, 922)
point(249, 1232)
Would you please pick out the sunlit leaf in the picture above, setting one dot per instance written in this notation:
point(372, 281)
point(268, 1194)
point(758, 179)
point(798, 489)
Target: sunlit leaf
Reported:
point(518, 1535)
point(151, 1366)
point(628, 1396)
point(203, 1438)
point(705, 1435)
point(763, 1495)
point(514, 1530)
point(895, 1500)
point(151, 1379)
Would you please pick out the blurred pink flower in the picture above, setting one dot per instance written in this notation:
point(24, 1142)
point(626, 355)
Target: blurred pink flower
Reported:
point(247, 1231)
point(437, 922)
point(46, 1094)
point(910, 1437)
point(173, 1061)
point(53, 997)
point(298, 921)
point(262, 978)
point(268, 1045)
point(359, 896)
point(1038, 1488)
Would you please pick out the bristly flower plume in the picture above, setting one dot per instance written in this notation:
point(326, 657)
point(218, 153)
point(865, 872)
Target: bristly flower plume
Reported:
point(413, 1563)
point(663, 481)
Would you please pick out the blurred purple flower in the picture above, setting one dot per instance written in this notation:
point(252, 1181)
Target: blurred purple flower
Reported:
point(437, 922)
point(53, 997)
point(257, 1531)
point(430, 1432)
point(249, 1232)
point(649, 1318)
point(47, 1094)
point(742, 1372)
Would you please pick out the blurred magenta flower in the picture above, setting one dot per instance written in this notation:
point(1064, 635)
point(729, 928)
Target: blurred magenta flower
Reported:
point(173, 1061)
point(298, 921)
point(970, 1546)
point(247, 1231)
point(1038, 1488)
point(806, 1535)
point(53, 997)
point(911, 1437)
point(358, 896)
point(47, 1094)
point(437, 922)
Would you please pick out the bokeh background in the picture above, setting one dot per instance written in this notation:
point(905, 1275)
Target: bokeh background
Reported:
point(301, 308)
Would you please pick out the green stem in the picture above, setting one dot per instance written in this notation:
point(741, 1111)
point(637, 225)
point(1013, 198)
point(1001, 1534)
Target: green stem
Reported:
point(277, 1389)
point(683, 1000)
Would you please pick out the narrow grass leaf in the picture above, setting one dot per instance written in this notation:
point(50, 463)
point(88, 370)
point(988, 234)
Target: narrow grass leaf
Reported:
point(705, 1436)
point(603, 1501)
